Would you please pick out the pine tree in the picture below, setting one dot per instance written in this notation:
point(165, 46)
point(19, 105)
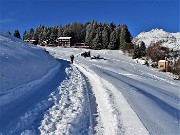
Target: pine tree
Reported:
point(112, 26)
point(105, 37)
point(25, 35)
point(97, 42)
point(46, 33)
point(124, 36)
point(40, 36)
point(136, 52)
point(90, 33)
point(9, 33)
point(142, 49)
point(113, 44)
point(37, 34)
point(53, 34)
point(118, 35)
point(78, 29)
point(31, 34)
point(17, 34)
point(60, 31)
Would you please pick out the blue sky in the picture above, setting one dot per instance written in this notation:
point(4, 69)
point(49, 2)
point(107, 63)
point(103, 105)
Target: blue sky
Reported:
point(139, 15)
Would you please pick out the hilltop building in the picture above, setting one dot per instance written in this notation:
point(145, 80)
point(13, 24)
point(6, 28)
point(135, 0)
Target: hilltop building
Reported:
point(64, 41)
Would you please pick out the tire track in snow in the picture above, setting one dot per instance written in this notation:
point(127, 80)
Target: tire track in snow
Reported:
point(116, 115)
point(91, 104)
point(108, 121)
point(150, 99)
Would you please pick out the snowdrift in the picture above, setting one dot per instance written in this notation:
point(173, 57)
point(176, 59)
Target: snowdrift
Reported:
point(24, 69)
point(21, 63)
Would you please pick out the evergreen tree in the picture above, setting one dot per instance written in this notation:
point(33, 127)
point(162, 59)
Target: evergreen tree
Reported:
point(118, 35)
point(53, 34)
point(60, 31)
point(40, 32)
point(136, 52)
point(9, 33)
point(112, 26)
point(105, 37)
point(113, 44)
point(25, 35)
point(90, 33)
point(97, 42)
point(124, 37)
point(37, 34)
point(17, 34)
point(142, 49)
point(78, 28)
point(31, 34)
point(46, 34)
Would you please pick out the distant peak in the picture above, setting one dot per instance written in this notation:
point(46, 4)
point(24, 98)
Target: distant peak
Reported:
point(156, 29)
point(167, 39)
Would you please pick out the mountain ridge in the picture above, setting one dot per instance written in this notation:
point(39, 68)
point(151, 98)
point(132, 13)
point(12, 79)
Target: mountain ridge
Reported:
point(167, 39)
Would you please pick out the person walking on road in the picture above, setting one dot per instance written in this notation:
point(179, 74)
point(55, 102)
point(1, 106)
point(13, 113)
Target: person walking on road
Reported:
point(72, 58)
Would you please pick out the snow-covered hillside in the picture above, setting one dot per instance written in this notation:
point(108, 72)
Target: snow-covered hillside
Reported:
point(21, 65)
point(114, 95)
point(170, 40)
point(24, 69)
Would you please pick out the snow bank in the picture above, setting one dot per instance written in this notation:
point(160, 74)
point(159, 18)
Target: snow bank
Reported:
point(25, 70)
point(21, 64)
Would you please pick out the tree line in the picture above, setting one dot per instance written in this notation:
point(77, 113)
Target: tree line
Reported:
point(94, 34)
point(98, 36)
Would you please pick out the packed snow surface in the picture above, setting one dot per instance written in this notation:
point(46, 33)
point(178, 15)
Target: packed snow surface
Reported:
point(114, 95)
point(170, 40)
point(154, 96)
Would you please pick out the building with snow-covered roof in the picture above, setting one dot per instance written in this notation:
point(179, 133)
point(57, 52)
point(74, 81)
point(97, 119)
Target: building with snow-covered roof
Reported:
point(64, 41)
point(163, 65)
point(32, 41)
point(81, 45)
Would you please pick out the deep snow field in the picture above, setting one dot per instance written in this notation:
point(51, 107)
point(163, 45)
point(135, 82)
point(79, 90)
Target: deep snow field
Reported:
point(43, 95)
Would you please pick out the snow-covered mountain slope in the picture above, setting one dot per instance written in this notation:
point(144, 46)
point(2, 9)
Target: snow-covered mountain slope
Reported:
point(114, 95)
point(24, 70)
point(21, 65)
point(170, 40)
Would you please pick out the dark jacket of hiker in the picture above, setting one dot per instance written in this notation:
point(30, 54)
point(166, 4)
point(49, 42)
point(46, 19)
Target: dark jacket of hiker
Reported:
point(72, 58)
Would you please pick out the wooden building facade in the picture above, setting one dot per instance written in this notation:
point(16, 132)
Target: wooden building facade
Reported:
point(163, 65)
point(64, 41)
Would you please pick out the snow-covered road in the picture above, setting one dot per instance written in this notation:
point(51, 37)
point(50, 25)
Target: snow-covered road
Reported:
point(153, 96)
